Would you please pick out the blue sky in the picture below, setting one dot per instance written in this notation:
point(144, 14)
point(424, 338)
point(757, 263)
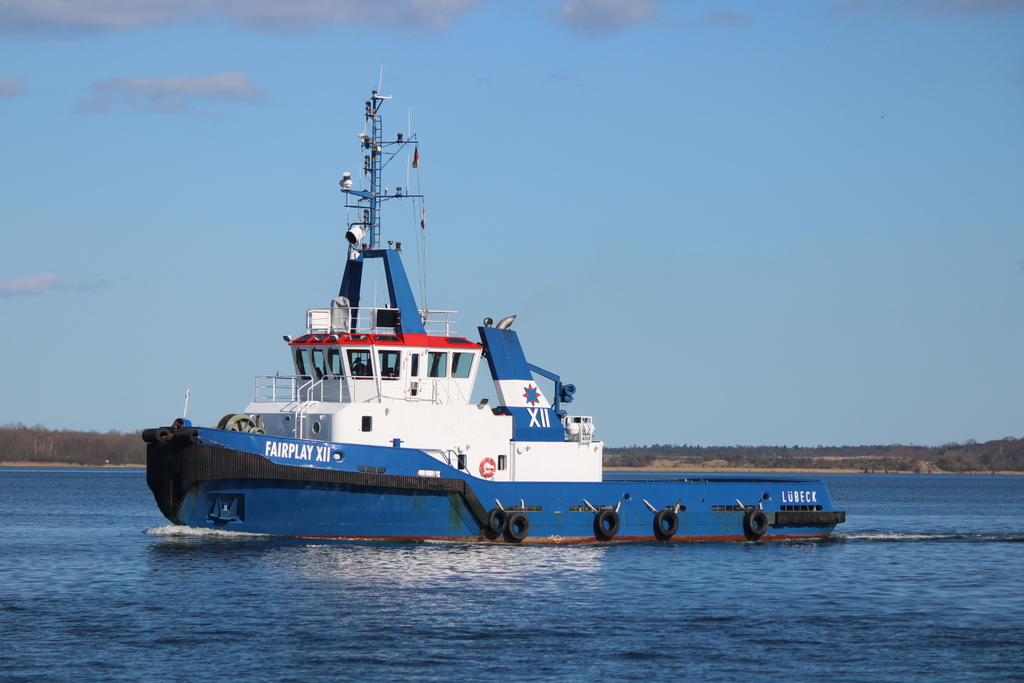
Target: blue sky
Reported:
point(725, 222)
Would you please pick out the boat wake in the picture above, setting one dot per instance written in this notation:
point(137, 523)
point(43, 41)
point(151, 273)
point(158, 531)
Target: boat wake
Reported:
point(172, 530)
point(891, 536)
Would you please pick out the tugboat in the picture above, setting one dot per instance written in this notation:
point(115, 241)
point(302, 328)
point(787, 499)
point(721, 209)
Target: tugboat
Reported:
point(376, 435)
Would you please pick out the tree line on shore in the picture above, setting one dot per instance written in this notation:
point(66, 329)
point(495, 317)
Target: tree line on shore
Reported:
point(21, 444)
point(1002, 455)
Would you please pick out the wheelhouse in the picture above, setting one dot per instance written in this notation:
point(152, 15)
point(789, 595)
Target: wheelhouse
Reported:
point(364, 367)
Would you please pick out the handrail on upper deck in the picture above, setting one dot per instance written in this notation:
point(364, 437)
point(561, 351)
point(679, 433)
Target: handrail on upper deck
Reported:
point(364, 320)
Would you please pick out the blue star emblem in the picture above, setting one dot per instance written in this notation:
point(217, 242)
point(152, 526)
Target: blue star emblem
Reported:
point(532, 395)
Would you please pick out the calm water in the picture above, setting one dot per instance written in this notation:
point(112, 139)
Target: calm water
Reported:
point(925, 582)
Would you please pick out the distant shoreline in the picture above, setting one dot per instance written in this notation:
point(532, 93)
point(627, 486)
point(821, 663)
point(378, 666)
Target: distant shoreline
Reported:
point(66, 464)
point(668, 470)
point(728, 470)
point(40, 447)
point(782, 470)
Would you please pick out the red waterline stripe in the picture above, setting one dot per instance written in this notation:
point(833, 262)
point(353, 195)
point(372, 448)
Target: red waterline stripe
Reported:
point(574, 540)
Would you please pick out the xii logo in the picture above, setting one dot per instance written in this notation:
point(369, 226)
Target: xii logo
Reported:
point(539, 417)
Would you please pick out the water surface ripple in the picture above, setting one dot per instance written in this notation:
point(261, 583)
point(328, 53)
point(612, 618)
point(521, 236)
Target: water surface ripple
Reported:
point(923, 582)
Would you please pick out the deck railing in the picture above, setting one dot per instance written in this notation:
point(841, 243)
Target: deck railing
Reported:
point(302, 389)
point(279, 388)
point(348, 320)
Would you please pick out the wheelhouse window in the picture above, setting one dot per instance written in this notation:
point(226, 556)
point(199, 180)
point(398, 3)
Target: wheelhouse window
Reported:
point(437, 364)
point(389, 364)
point(461, 365)
point(414, 365)
point(334, 363)
point(303, 366)
point(359, 363)
point(318, 363)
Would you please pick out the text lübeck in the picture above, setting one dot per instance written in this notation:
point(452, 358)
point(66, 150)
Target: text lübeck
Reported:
point(799, 496)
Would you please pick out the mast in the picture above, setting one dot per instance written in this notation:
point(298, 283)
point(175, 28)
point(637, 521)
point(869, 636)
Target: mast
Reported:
point(377, 154)
point(364, 233)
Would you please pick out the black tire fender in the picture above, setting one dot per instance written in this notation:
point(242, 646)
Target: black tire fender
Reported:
point(158, 435)
point(666, 524)
point(755, 523)
point(606, 524)
point(497, 522)
point(518, 527)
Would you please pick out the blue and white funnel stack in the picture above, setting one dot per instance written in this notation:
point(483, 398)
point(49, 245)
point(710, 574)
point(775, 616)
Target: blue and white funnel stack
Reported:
point(518, 393)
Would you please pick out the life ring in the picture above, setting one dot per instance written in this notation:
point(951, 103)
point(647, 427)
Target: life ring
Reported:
point(666, 524)
point(606, 524)
point(497, 522)
point(488, 468)
point(518, 527)
point(755, 523)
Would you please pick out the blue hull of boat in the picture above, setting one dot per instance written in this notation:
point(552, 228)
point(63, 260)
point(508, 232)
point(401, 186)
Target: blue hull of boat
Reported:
point(234, 486)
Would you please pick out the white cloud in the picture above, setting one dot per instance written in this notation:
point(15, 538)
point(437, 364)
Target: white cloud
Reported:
point(41, 283)
point(596, 17)
point(12, 86)
point(944, 8)
point(30, 284)
point(273, 15)
point(231, 85)
point(305, 15)
point(96, 105)
point(99, 14)
point(593, 17)
point(173, 94)
point(851, 7)
point(931, 9)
